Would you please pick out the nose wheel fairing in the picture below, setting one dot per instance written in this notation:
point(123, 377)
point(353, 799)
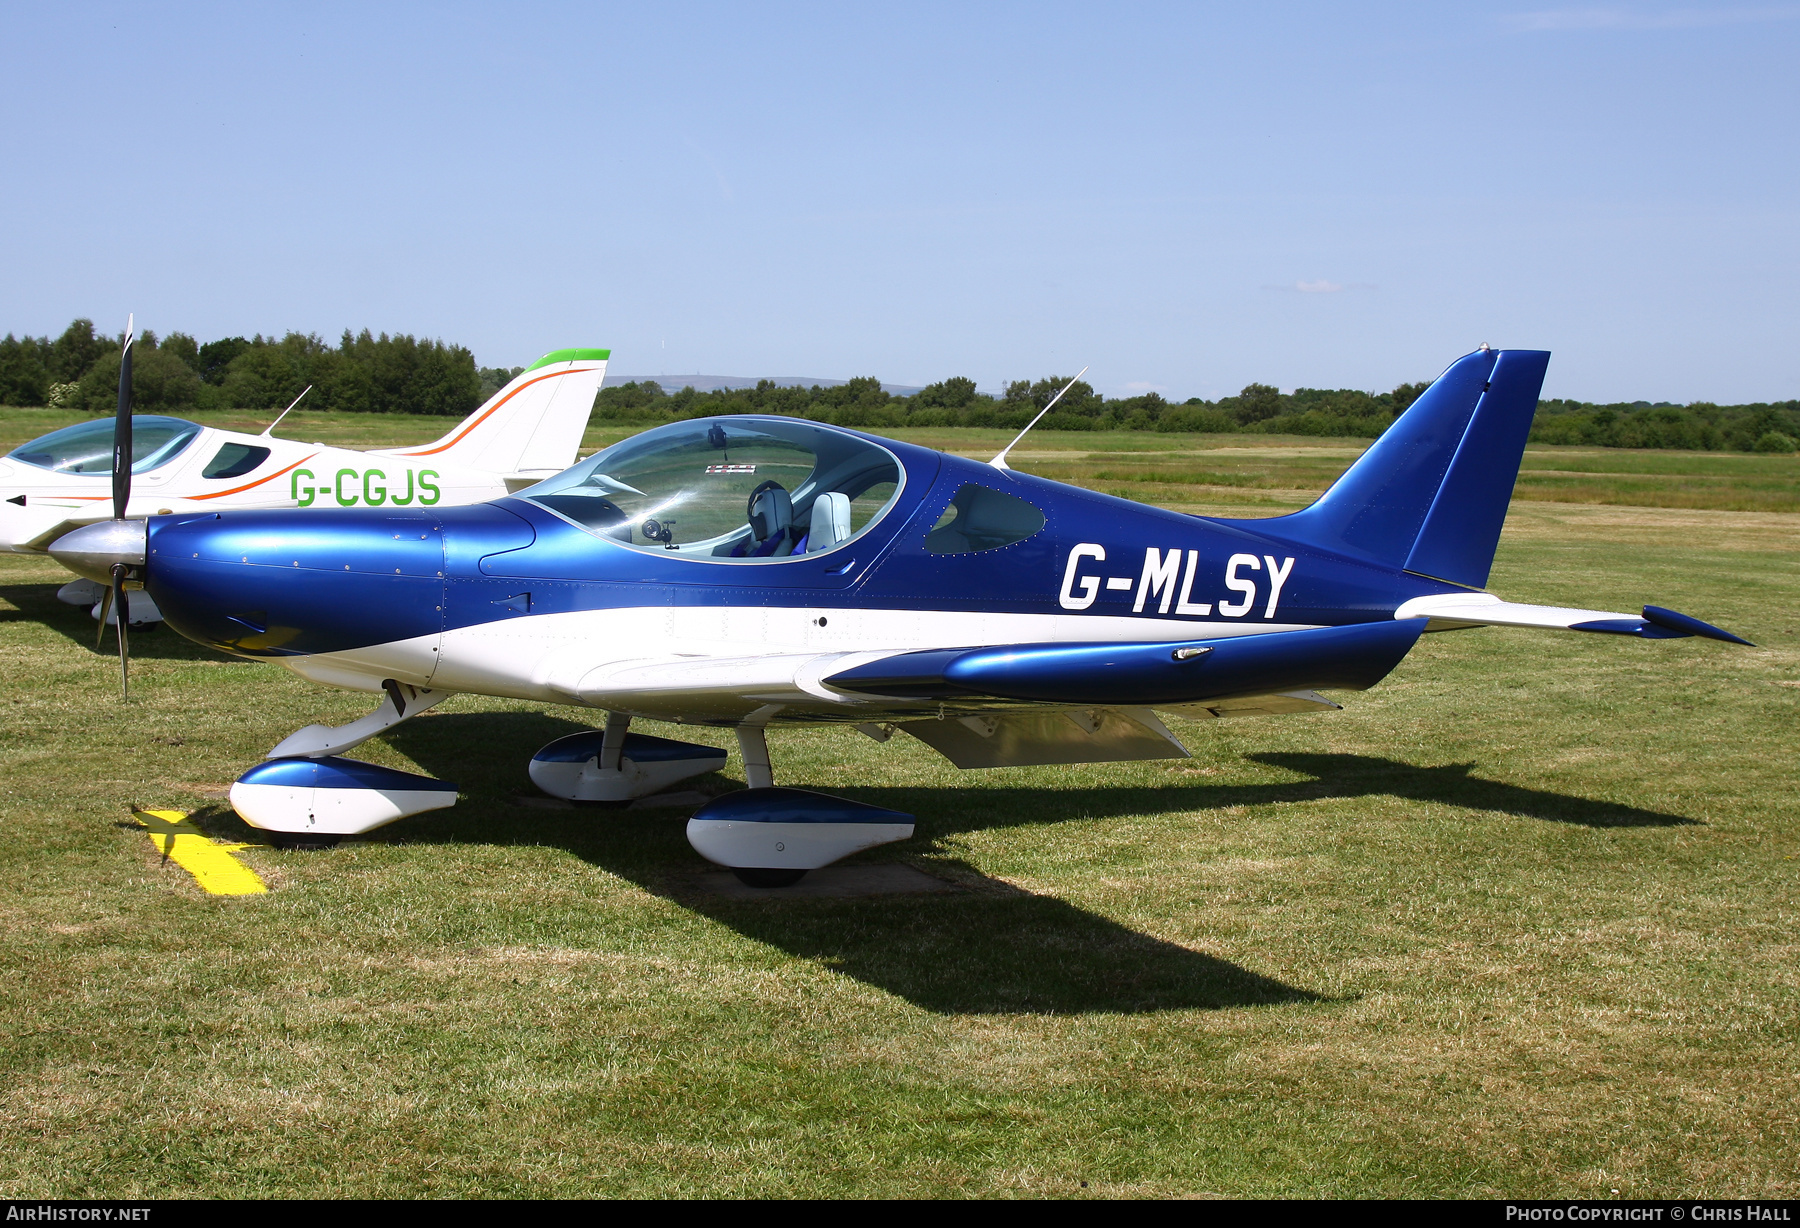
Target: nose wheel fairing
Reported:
point(332, 796)
point(308, 796)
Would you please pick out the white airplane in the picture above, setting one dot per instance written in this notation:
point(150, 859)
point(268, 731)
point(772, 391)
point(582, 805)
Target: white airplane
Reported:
point(528, 431)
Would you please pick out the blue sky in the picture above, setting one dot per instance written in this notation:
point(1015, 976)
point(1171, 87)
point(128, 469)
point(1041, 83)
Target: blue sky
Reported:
point(1186, 197)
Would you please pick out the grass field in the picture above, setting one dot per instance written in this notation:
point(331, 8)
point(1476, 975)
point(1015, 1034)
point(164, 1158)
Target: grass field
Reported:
point(1520, 921)
point(1235, 474)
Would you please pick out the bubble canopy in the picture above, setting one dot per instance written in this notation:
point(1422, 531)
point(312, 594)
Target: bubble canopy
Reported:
point(86, 448)
point(729, 490)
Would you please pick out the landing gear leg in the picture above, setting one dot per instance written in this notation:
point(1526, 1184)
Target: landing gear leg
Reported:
point(403, 702)
point(612, 749)
point(753, 745)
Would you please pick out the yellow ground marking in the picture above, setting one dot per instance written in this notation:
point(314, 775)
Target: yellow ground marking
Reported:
point(210, 862)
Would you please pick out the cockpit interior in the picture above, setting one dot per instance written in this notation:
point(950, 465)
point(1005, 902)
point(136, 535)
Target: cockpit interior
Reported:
point(729, 491)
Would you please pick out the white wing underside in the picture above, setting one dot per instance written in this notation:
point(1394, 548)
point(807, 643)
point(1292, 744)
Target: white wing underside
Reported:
point(973, 731)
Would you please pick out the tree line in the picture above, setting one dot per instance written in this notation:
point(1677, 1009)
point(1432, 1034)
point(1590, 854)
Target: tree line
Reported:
point(1257, 408)
point(956, 402)
point(364, 373)
point(1759, 427)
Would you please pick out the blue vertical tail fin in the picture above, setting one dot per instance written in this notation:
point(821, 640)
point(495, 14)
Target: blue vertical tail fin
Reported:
point(1430, 495)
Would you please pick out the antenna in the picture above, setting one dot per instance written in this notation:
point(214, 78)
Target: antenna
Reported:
point(284, 413)
point(999, 462)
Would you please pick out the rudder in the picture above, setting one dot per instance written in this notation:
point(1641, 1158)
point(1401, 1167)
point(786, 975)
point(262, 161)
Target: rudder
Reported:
point(1431, 494)
point(1462, 529)
point(531, 428)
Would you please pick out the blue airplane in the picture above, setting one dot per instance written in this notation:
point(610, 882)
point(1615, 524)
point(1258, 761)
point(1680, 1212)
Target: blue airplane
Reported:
point(750, 572)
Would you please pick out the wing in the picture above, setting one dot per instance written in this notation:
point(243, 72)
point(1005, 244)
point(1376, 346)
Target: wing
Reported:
point(31, 522)
point(1013, 704)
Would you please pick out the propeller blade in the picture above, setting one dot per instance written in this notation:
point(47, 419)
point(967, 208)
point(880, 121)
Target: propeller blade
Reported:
point(106, 596)
point(121, 471)
point(120, 571)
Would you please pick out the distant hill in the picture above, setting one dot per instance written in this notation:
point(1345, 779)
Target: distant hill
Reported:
point(716, 383)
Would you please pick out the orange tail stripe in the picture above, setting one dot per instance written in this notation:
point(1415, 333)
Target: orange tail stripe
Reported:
point(457, 438)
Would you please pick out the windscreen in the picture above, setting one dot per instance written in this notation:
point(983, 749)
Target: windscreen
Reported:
point(729, 489)
point(86, 447)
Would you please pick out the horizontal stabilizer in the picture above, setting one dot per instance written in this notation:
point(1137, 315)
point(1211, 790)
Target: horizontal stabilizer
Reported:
point(1450, 610)
point(1351, 658)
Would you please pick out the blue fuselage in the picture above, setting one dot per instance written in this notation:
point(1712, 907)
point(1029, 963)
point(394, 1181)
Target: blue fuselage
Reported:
point(281, 583)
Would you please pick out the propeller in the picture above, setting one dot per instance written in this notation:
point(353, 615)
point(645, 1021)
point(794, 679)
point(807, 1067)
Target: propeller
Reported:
point(114, 597)
point(108, 552)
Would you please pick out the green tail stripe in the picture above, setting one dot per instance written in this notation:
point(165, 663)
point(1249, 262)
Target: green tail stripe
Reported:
point(570, 356)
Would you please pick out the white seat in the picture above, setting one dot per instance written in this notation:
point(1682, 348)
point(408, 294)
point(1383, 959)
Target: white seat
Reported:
point(830, 521)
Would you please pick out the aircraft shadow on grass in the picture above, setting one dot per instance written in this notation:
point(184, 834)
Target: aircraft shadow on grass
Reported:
point(990, 948)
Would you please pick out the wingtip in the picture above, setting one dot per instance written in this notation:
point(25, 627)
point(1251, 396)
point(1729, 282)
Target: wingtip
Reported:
point(1676, 621)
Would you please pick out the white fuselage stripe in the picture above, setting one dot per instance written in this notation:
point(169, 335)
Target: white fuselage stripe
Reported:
point(545, 657)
